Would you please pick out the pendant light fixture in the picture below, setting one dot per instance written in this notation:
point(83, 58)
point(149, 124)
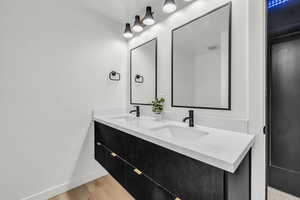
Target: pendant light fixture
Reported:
point(137, 26)
point(127, 33)
point(169, 6)
point(148, 19)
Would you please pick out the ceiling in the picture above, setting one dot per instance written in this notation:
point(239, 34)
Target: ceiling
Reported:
point(123, 11)
point(120, 10)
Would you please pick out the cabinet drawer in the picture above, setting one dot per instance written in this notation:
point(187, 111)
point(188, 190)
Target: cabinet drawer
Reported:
point(141, 187)
point(111, 162)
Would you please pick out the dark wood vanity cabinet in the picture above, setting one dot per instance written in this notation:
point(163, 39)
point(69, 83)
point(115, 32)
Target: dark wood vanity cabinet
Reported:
point(165, 174)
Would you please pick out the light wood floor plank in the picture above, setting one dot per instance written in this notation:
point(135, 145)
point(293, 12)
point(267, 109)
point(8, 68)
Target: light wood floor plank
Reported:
point(105, 188)
point(274, 194)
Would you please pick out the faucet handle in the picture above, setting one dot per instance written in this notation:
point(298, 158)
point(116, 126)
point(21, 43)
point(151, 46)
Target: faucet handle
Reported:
point(138, 114)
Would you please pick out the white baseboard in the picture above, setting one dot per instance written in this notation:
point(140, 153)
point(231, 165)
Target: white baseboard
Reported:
point(61, 188)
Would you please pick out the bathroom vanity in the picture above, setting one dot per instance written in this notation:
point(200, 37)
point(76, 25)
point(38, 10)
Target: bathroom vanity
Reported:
point(168, 160)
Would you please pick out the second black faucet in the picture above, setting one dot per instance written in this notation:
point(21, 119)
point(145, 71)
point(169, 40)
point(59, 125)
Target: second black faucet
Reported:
point(190, 118)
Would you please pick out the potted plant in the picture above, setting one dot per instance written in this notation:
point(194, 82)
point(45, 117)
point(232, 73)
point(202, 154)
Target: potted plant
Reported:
point(158, 107)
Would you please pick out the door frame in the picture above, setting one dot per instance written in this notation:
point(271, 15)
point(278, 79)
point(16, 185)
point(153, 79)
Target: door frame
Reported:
point(267, 97)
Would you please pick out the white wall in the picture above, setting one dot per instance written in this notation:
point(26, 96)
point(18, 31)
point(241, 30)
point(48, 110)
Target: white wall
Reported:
point(257, 74)
point(55, 57)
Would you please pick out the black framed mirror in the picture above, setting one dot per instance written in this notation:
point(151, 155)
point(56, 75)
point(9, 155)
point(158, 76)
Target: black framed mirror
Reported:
point(143, 73)
point(201, 61)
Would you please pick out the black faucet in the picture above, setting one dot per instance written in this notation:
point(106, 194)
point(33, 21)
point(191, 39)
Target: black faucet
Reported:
point(190, 118)
point(137, 111)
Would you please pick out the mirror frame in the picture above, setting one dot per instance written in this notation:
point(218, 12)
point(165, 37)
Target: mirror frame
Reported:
point(131, 50)
point(229, 59)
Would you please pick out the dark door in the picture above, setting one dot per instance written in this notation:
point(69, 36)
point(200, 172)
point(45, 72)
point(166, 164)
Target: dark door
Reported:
point(284, 114)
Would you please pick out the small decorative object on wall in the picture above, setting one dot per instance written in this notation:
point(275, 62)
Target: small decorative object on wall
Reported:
point(158, 105)
point(114, 76)
point(139, 78)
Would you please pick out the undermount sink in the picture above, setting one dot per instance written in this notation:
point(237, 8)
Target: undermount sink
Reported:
point(124, 119)
point(139, 122)
point(179, 133)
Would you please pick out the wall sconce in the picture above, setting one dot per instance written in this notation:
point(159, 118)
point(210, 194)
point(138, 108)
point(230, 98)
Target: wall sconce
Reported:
point(169, 6)
point(148, 19)
point(139, 78)
point(137, 26)
point(128, 33)
point(114, 76)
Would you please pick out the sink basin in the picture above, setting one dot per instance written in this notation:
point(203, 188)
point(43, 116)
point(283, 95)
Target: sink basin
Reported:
point(124, 119)
point(141, 122)
point(179, 133)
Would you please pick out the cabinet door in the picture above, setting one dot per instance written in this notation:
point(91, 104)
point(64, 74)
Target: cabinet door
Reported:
point(185, 177)
point(140, 153)
point(111, 138)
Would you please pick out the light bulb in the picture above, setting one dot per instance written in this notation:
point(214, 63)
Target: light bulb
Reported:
point(127, 33)
point(137, 26)
point(169, 6)
point(148, 19)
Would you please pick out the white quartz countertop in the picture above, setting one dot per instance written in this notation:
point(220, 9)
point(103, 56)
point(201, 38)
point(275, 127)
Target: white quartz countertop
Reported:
point(220, 148)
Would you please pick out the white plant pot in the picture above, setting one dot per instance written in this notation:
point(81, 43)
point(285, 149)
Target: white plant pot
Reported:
point(158, 116)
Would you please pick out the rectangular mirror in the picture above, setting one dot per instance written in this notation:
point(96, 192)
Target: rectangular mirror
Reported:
point(143, 69)
point(201, 61)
